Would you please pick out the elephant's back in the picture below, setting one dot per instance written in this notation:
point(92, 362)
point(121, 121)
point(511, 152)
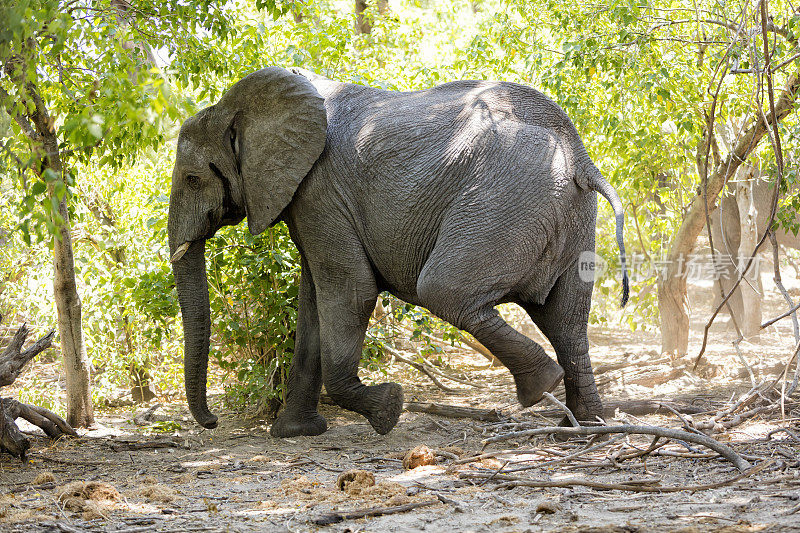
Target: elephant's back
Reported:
point(402, 163)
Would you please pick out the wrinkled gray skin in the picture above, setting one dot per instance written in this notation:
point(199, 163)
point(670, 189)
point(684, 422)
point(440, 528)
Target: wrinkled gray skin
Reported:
point(455, 198)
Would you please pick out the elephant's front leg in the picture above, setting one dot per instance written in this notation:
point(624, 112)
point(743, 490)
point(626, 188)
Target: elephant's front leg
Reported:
point(305, 375)
point(346, 301)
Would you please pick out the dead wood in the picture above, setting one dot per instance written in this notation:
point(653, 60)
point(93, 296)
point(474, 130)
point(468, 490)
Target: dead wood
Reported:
point(790, 312)
point(791, 511)
point(429, 370)
point(130, 445)
point(638, 408)
point(552, 399)
point(336, 517)
point(147, 416)
point(14, 358)
point(480, 348)
point(422, 369)
point(667, 433)
point(12, 361)
point(620, 365)
point(645, 485)
point(468, 340)
point(656, 376)
point(454, 411)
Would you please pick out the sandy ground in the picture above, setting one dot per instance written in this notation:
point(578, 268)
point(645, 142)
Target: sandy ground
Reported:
point(238, 478)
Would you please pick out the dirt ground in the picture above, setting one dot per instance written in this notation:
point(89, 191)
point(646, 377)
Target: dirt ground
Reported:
point(124, 477)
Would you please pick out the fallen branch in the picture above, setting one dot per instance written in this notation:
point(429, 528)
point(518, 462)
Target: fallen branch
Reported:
point(667, 433)
point(429, 369)
point(569, 457)
point(480, 348)
point(555, 401)
point(646, 485)
point(454, 411)
point(12, 361)
point(792, 388)
point(637, 408)
point(791, 511)
point(624, 365)
point(790, 312)
point(422, 369)
point(146, 417)
point(14, 358)
point(776, 277)
point(130, 445)
point(464, 339)
point(336, 517)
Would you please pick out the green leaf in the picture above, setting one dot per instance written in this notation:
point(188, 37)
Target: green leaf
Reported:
point(38, 188)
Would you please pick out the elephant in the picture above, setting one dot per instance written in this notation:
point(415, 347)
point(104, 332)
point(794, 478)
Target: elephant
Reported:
point(455, 198)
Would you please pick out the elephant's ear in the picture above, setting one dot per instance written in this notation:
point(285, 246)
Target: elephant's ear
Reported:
point(279, 132)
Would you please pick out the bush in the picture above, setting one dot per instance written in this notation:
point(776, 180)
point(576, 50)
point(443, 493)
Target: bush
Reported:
point(253, 283)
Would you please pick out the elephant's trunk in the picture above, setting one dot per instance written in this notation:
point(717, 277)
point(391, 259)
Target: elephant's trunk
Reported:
point(190, 280)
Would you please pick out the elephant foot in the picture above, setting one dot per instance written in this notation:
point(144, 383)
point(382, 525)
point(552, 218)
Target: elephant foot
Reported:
point(384, 406)
point(531, 386)
point(294, 425)
point(586, 412)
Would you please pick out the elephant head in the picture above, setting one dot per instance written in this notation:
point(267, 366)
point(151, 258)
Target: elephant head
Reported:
point(244, 156)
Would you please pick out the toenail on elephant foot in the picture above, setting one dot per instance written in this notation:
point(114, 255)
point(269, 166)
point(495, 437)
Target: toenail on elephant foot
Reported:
point(294, 425)
point(531, 386)
point(385, 406)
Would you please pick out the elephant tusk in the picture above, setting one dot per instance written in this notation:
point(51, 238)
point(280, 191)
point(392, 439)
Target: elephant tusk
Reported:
point(179, 252)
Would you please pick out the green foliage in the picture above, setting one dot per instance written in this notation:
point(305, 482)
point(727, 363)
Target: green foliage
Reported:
point(636, 79)
point(253, 284)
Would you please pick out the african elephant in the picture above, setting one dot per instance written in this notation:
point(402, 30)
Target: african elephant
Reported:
point(454, 198)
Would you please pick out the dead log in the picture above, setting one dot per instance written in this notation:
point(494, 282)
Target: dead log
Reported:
point(14, 357)
point(676, 434)
point(637, 408)
point(12, 361)
point(454, 411)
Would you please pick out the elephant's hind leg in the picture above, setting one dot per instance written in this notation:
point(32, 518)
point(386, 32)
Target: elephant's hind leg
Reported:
point(300, 417)
point(346, 296)
point(452, 296)
point(534, 371)
point(563, 319)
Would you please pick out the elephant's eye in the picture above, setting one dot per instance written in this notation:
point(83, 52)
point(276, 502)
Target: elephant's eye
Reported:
point(193, 181)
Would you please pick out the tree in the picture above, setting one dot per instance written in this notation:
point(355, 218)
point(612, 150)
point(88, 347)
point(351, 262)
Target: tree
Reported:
point(33, 117)
point(78, 85)
point(639, 82)
point(364, 17)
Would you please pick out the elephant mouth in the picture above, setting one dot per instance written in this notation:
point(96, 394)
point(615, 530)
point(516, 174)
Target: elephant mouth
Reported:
point(216, 219)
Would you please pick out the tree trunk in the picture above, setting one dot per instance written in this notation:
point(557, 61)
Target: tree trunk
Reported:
point(363, 19)
point(142, 389)
point(672, 289)
point(674, 313)
point(80, 412)
point(297, 12)
point(749, 288)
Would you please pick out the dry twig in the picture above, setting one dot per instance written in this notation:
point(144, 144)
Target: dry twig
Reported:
point(336, 517)
point(555, 401)
point(668, 433)
point(646, 485)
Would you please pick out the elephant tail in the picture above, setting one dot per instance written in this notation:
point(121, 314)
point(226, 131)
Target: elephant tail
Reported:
point(599, 184)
